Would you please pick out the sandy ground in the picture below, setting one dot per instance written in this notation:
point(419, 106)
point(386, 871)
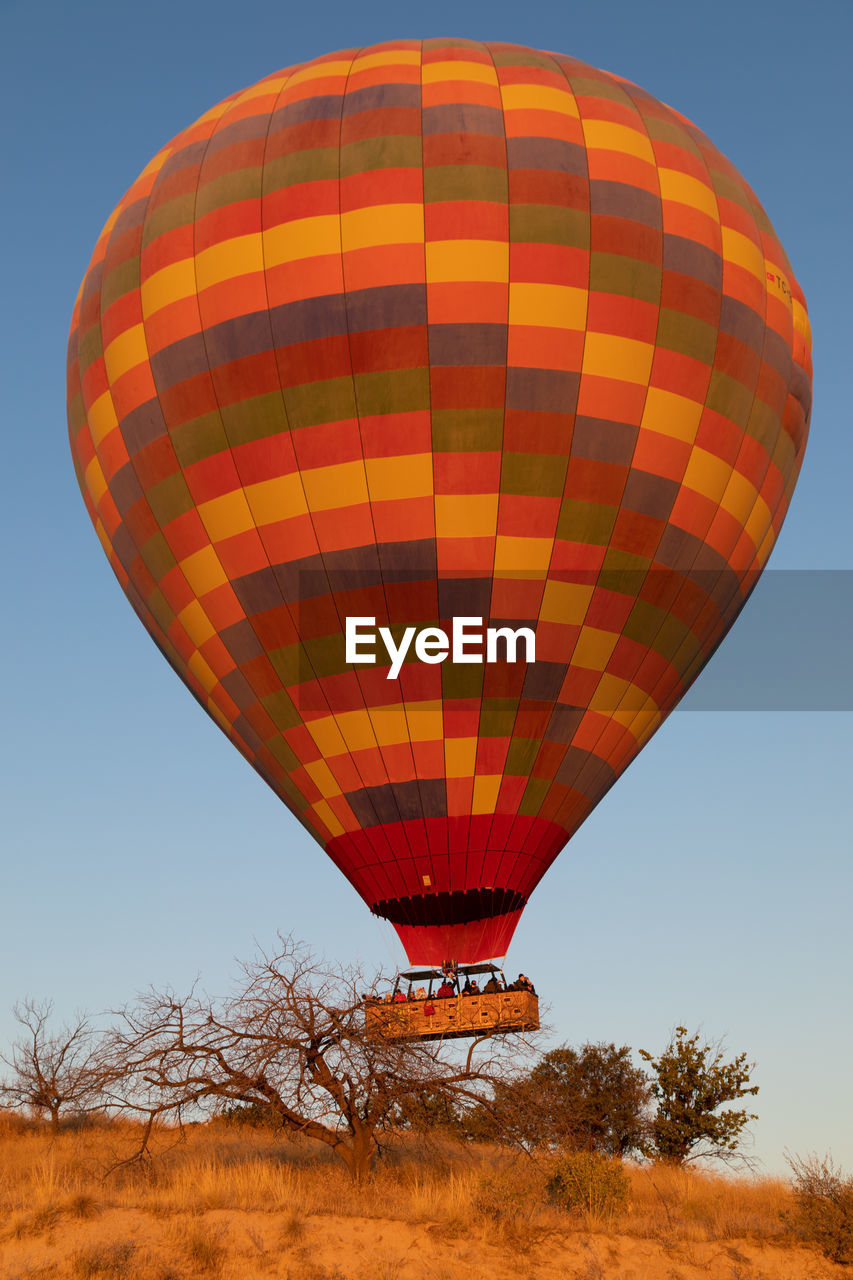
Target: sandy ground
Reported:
point(122, 1244)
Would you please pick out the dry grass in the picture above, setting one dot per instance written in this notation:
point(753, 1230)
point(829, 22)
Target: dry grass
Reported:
point(240, 1205)
point(688, 1204)
point(212, 1168)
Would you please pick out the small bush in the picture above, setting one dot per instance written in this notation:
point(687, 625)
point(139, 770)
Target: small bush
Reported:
point(82, 1205)
point(823, 1210)
point(249, 1115)
point(36, 1223)
point(104, 1260)
point(507, 1202)
point(204, 1251)
point(504, 1194)
point(588, 1182)
point(292, 1229)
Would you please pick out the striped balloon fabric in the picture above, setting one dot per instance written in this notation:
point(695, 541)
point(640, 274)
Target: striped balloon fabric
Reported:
point(424, 331)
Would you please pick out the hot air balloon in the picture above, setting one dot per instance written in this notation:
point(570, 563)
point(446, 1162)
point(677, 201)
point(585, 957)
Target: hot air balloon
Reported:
point(428, 331)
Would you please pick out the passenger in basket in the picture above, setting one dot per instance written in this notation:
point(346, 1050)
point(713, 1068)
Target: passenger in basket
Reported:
point(399, 997)
point(444, 990)
point(420, 994)
point(523, 983)
point(475, 990)
point(466, 990)
point(492, 985)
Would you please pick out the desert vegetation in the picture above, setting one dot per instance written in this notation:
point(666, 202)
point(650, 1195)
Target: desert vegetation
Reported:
point(241, 1201)
point(267, 1134)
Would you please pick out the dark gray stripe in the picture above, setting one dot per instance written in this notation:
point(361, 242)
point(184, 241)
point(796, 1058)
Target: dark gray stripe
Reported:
point(552, 154)
point(621, 200)
point(378, 96)
point(463, 117)
point(467, 344)
point(692, 259)
point(549, 390)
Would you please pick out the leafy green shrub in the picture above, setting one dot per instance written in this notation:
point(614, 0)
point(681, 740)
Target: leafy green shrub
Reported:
point(823, 1212)
point(589, 1182)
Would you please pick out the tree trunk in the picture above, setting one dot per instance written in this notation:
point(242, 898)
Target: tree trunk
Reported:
point(358, 1156)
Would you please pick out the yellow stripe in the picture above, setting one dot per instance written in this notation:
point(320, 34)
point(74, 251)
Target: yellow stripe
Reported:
point(95, 481)
point(757, 524)
point(328, 818)
point(102, 417)
point(553, 306)
point(196, 623)
point(742, 251)
point(226, 516)
point(565, 602)
point(607, 136)
point(801, 323)
point(538, 97)
point(340, 67)
point(356, 729)
point(594, 648)
point(767, 544)
point(213, 113)
point(671, 414)
point(466, 515)
point(219, 715)
point(401, 477)
point(640, 724)
point(707, 474)
point(466, 261)
point(486, 788)
point(390, 58)
point(104, 539)
point(382, 224)
point(239, 256)
point(436, 72)
point(739, 497)
point(169, 284)
point(203, 571)
point(156, 162)
point(125, 352)
point(684, 189)
point(327, 736)
point(389, 724)
point(522, 557)
point(202, 672)
point(426, 721)
point(320, 774)
point(624, 359)
point(272, 85)
point(277, 499)
point(341, 485)
point(302, 238)
point(613, 694)
point(459, 757)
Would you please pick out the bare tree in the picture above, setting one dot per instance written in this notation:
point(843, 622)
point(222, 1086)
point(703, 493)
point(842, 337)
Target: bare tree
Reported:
point(52, 1072)
point(292, 1038)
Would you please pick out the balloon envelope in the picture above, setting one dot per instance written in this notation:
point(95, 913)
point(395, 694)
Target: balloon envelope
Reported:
point(424, 331)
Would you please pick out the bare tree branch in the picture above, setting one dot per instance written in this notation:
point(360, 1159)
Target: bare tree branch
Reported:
point(291, 1037)
point(52, 1072)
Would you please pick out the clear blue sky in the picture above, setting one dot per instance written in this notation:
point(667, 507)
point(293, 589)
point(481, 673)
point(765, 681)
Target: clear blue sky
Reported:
point(713, 885)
